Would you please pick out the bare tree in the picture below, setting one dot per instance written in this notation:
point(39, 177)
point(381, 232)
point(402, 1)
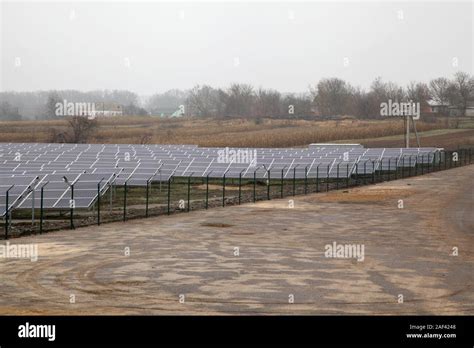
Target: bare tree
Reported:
point(202, 101)
point(418, 92)
point(464, 84)
point(297, 105)
point(331, 96)
point(80, 129)
point(267, 103)
point(240, 98)
point(50, 107)
point(439, 90)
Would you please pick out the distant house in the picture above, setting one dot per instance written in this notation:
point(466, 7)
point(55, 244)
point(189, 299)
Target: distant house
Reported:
point(450, 110)
point(107, 110)
point(435, 107)
point(470, 108)
point(457, 111)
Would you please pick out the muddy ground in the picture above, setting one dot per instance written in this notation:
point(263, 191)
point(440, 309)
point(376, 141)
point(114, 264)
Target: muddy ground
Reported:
point(281, 256)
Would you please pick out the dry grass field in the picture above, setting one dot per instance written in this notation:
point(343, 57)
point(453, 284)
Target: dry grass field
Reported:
point(209, 132)
point(246, 132)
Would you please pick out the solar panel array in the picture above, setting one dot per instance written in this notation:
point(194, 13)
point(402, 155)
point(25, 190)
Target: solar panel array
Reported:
point(28, 166)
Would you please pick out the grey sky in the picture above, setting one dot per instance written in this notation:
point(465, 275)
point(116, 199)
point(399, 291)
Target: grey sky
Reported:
point(286, 46)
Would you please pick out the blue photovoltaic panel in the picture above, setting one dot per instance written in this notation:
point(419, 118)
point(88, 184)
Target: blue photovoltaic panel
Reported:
point(87, 164)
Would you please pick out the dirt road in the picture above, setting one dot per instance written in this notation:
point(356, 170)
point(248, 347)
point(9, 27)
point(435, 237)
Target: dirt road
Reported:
point(265, 258)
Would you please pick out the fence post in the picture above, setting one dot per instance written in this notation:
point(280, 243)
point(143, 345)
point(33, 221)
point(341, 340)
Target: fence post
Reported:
point(189, 193)
point(389, 171)
point(169, 194)
point(41, 209)
point(7, 211)
point(281, 186)
point(373, 172)
point(403, 167)
point(294, 181)
point(240, 186)
point(348, 176)
point(327, 179)
point(306, 180)
point(72, 204)
point(268, 185)
point(255, 186)
point(125, 201)
point(396, 168)
point(223, 191)
point(357, 174)
point(207, 191)
point(365, 173)
point(98, 202)
point(380, 172)
point(317, 178)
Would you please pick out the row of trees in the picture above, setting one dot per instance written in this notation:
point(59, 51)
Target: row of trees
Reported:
point(337, 97)
point(329, 97)
point(241, 100)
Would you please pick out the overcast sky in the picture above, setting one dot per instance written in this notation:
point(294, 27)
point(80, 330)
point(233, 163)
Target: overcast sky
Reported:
point(151, 47)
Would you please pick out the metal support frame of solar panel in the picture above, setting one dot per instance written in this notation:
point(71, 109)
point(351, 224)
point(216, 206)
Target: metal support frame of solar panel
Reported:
point(18, 187)
point(57, 193)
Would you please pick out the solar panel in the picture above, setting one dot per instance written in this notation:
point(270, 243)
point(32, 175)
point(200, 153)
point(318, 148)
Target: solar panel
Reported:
point(87, 164)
